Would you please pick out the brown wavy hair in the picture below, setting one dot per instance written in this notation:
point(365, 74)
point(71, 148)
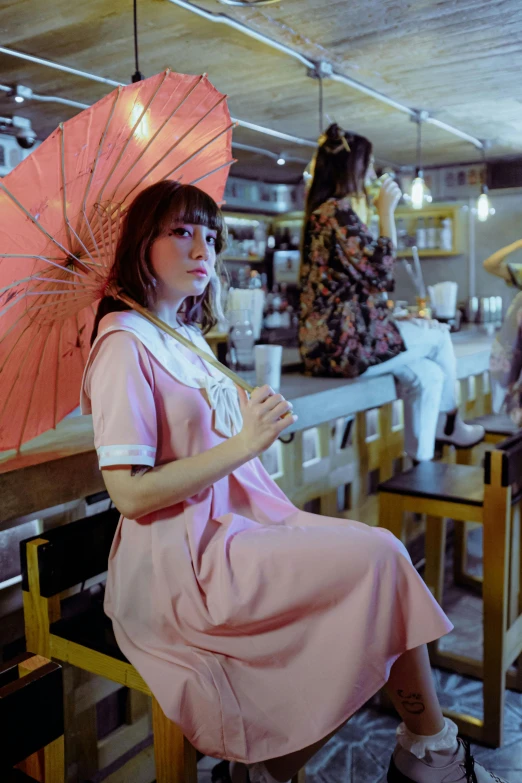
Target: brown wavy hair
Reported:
point(341, 163)
point(149, 215)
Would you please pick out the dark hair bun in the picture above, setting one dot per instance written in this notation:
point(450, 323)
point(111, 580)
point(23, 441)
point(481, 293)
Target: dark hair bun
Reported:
point(333, 133)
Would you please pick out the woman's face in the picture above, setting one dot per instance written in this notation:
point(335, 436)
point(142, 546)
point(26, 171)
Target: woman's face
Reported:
point(183, 260)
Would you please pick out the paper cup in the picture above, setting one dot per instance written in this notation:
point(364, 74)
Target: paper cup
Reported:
point(268, 360)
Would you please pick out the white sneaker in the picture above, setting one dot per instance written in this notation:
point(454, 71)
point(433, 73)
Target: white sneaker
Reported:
point(462, 768)
point(451, 429)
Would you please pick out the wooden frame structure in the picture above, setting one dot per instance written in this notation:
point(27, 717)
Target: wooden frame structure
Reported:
point(468, 494)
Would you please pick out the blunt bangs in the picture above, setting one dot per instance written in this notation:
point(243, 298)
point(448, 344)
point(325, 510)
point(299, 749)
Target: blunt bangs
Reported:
point(191, 205)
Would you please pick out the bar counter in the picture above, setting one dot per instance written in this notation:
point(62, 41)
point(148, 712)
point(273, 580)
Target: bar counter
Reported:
point(60, 466)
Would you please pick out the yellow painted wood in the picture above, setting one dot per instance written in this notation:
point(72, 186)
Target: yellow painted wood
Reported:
point(391, 514)
point(514, 570)
point(435, 556)
point(39, 612)
point(386, 454)
point(175, 757)
point(441, 508)
point(501, 590)
point(497, 518)
point(97, 663)
point(54, 760)
point(31, 664)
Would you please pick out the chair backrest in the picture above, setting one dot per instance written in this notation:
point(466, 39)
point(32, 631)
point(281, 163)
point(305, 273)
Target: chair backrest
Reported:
point(31, 709)
point(74, 552)
point(511, 467)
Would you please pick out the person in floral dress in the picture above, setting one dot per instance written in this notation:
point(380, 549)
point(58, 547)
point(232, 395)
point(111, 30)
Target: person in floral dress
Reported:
point(346, 327)
point(505, 364)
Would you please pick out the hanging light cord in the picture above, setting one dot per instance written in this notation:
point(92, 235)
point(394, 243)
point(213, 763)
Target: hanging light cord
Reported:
point(137, 76)
point(321, 113)
point(484, 186)
point(419, 133)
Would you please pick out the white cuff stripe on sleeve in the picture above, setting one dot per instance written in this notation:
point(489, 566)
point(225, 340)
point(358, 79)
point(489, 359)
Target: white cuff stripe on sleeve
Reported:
point(126, 455)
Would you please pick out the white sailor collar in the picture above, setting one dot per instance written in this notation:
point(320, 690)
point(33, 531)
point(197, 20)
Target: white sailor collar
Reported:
point(221, 392)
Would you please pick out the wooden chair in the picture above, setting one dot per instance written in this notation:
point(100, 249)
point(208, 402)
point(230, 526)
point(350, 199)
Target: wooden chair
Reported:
point(31, 717)
point(498, 427)
point(469, 493)
point(60, 559)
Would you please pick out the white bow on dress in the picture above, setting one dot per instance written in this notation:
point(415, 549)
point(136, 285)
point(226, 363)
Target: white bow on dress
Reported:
point(221, 391)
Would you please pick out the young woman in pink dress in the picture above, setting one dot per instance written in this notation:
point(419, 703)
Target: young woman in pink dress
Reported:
point(260, 628)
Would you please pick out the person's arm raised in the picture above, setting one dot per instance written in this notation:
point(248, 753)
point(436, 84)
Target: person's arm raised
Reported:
point(141, 493)
point(495, 265)
point(386, 203)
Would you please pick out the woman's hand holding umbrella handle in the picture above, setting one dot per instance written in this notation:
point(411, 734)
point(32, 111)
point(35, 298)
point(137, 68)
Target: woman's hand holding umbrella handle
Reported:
point(265, 416)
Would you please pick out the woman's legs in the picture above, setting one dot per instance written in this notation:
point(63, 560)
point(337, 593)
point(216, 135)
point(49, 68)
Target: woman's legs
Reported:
point(426, 376)
point(435, 344)
point(420, 383)
point(412, 692)
point(420, 386)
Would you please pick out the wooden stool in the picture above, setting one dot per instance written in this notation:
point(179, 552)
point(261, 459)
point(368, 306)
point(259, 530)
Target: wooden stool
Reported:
point(498, 427)
point(31, 717)
point(468, 493)
point(62, 558)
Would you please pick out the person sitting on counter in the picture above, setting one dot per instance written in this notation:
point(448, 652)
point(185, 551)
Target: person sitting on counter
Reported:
point(346, 328)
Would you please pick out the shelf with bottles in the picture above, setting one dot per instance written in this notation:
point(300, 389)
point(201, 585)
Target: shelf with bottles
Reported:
point(434, 230)
point(247, 237)
point(286, 231)
point(243, 276)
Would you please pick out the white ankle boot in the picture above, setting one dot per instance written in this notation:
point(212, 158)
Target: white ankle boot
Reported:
point(434, 768)
point(451, 429)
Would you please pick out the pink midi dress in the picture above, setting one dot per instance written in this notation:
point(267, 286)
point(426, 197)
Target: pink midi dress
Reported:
point(259, 628)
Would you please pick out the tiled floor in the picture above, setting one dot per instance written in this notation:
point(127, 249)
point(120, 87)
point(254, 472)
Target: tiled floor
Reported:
point(360, 752)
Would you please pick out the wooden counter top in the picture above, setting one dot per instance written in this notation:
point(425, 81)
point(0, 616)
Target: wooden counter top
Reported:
point(61, 465)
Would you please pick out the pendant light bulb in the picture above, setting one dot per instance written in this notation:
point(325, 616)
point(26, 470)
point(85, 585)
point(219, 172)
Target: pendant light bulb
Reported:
point(418, 191)
point(483, 207)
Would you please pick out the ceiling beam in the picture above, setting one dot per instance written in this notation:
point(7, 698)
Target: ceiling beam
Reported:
point(333, 74)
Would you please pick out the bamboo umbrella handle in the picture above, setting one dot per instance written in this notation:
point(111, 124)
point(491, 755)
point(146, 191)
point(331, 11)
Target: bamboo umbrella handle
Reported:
point(184, 341)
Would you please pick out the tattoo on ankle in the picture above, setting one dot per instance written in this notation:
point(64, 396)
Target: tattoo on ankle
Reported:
point(412, 702)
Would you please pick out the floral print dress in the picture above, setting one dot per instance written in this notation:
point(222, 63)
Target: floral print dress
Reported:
point(345, 325)
point(505, 362)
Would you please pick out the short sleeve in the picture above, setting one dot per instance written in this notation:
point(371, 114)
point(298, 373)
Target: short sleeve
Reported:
point(515, 271)
point(120, 386)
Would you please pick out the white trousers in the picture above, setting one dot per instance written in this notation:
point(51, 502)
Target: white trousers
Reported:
point(426, 377)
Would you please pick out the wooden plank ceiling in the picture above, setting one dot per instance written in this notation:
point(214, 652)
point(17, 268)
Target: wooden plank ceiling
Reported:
point(459, 59)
